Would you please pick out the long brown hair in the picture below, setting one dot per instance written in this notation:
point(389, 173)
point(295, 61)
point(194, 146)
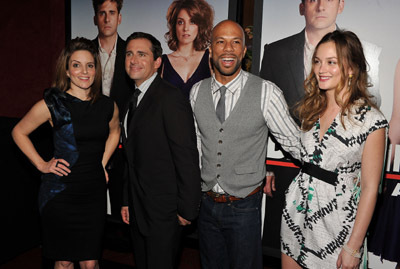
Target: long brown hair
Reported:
point(350, 55)
point(201, 13)
point(61, 79)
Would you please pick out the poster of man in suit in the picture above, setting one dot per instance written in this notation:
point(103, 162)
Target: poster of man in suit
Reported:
point(284, 20)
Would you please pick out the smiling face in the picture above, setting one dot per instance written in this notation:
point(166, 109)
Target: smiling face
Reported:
point(139, 60)
point(107, 19)
point(321, 14)
point(227, 50)
point(326, 66)
point(81, 70)
point(186, 29)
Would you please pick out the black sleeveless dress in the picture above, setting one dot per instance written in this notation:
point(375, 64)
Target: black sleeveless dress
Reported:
point(169, 74)
point(73, 207)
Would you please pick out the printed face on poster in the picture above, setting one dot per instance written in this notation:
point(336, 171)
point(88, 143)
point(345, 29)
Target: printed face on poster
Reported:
point(137, 16)
point(374, 21)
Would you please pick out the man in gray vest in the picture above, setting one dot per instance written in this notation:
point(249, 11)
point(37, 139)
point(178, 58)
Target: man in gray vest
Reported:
point(234, 111)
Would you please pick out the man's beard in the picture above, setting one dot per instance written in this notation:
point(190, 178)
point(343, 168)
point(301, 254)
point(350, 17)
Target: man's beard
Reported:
point(218, 67)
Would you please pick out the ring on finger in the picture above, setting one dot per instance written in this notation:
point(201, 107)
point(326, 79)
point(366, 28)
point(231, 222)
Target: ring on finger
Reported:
point(57, 163)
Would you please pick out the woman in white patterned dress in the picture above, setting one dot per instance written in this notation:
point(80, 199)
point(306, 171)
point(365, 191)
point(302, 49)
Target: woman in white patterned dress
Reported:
point(329, 205)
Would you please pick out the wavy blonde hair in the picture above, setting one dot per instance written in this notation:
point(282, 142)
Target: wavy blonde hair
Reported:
point(350, 55)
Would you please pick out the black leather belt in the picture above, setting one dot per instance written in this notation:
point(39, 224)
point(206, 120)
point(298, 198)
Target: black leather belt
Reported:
point(320, 173)
point(223, 198)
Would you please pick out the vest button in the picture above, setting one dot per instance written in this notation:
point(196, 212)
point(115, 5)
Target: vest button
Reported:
point(218, 165)
point(221, 130)
point(220, 142)
point(219, 153)
point(218, 176)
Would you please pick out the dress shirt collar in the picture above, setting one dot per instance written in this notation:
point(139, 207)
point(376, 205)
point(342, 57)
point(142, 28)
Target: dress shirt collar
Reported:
point(307, 57)
point(231, 86)
point(307, 45)
point(146, 84)
point(114, 50)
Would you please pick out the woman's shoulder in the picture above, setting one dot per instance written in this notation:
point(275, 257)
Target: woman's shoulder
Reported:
point(377, 116)
point(369, 114)
point(368, 110)
point(53, 97)
point(52, 93)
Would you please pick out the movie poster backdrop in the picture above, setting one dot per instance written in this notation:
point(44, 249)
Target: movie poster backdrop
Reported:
point(375, 21)
point(137, 16)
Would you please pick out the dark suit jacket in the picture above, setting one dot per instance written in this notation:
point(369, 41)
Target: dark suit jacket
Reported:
point(163, 163)
point(283, 64)
point(121, 84)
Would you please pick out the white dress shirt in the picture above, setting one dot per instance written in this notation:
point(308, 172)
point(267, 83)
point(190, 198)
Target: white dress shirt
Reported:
point(107, 66)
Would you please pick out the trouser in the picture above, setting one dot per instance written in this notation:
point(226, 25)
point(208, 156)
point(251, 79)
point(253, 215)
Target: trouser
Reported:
point(159, 250)
point(230, 233)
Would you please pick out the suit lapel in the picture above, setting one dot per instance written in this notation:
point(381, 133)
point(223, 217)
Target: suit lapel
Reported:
point(143, 105)
point(296, 63)
point(96, 42)
point(118, 65)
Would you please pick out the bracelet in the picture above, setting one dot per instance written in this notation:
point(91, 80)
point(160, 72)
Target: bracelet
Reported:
point(353, 252)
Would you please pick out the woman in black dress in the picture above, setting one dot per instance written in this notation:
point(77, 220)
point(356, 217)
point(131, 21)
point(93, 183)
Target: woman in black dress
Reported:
point(72, 196)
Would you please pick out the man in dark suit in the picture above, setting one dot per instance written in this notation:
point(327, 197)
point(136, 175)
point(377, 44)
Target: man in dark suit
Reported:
point(115, 82)
point(162, 190)
point(287, 62)
point(111, 47)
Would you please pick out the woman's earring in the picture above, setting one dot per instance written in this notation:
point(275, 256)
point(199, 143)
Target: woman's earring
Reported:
point(350, 79)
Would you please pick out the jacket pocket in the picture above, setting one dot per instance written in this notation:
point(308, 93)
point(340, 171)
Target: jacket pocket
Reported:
point(246, 169)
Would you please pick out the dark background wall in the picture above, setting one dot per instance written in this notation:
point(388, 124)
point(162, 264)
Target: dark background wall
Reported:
point(33, 35)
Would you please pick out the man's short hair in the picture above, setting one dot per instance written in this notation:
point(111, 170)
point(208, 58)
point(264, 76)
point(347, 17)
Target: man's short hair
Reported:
point(305, 0)
point(97, 3)
point(156, 48)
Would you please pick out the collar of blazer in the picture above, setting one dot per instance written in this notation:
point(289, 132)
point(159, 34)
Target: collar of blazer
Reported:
point(143, 105)
point(295, 59)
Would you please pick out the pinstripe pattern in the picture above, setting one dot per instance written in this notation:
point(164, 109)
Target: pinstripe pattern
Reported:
point(273, 107)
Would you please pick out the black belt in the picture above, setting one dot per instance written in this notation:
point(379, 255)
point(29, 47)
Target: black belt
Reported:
point(223, 198)
point(320, 173)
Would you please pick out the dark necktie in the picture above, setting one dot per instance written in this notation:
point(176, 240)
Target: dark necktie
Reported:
point(220, 110)
point(132, 105)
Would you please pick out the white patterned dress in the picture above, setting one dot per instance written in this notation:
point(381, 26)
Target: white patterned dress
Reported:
point(318, 217)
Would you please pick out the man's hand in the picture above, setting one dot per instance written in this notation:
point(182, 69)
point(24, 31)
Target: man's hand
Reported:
point(183, 222)
point(269, 184)
point(125, 214)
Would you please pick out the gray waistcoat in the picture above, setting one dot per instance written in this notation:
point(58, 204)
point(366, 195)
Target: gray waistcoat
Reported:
point(233, 153)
